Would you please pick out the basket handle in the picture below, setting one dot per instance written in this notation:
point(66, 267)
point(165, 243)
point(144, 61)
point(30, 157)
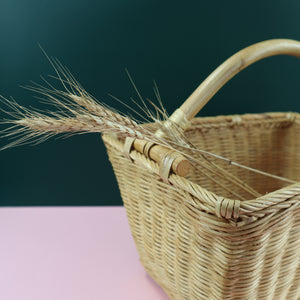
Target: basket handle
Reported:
point(236, 63)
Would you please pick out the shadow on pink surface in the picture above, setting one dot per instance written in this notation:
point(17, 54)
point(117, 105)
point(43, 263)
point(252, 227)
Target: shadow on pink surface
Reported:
point(156, 287)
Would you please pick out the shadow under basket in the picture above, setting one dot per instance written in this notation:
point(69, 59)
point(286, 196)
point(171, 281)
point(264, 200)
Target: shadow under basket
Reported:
point(194, 238)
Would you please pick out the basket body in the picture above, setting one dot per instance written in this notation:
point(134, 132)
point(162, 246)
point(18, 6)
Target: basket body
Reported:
point(192, 250)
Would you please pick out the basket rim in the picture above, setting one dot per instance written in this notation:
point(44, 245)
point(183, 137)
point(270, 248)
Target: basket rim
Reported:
point(231, 209)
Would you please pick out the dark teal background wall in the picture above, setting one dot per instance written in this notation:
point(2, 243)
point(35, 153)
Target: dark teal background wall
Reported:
point(177, 43)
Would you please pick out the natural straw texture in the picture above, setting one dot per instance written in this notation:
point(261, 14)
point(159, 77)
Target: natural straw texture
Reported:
point(199, 244)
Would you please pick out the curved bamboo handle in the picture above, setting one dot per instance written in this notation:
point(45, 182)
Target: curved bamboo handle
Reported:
point(236, 63)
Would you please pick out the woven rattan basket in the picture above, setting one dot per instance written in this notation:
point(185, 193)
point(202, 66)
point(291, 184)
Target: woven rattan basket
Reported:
point(194, 240)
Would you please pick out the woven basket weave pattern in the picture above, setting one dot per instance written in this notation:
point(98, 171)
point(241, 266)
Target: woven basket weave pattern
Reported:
point(183, 243)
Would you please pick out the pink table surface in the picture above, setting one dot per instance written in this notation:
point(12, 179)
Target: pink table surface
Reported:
point(70, 253)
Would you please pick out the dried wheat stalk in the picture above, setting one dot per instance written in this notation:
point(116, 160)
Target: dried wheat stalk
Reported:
point(172, 134)
point(79, 112)
point(34, 125)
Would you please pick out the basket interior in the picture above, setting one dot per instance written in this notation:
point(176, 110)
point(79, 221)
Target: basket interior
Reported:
point(269, 143)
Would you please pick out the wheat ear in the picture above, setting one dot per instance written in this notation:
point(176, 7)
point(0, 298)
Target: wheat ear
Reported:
point(30, 126)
